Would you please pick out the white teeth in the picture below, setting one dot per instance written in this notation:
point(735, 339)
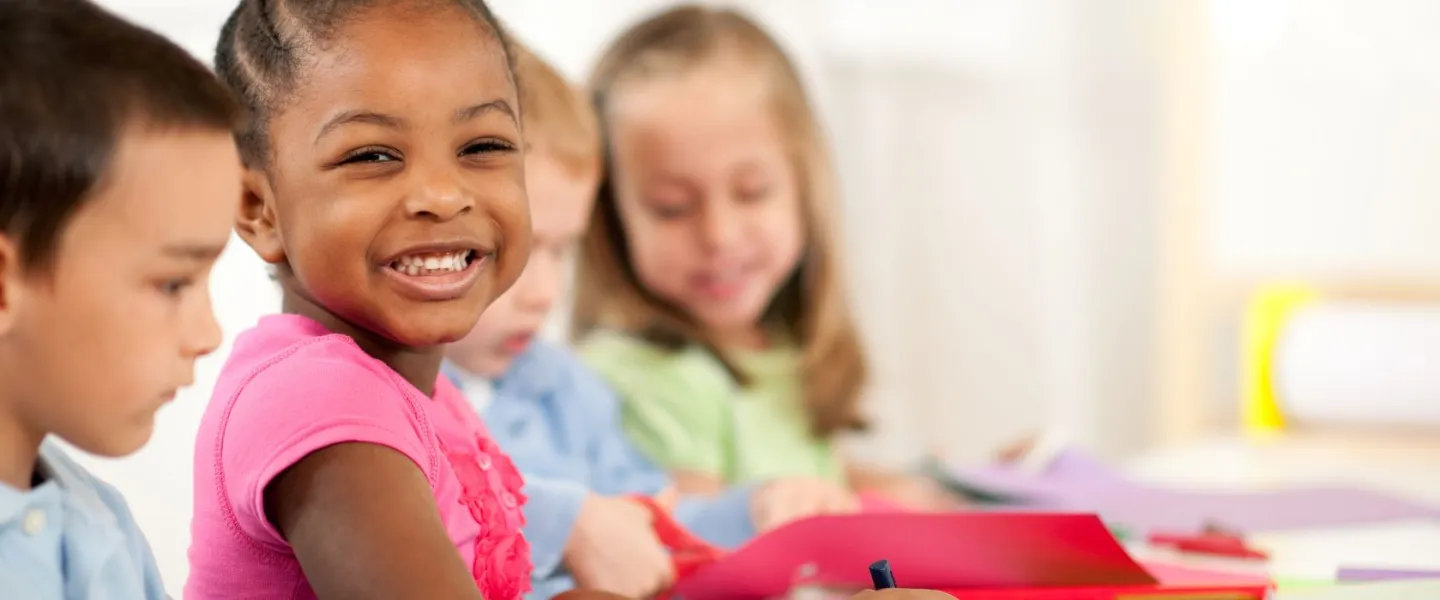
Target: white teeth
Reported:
point(432, 264)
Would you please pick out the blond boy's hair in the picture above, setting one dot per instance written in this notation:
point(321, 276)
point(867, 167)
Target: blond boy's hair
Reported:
point(556, 117)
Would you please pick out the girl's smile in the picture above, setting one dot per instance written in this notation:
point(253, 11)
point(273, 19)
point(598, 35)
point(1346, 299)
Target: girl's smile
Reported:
point(437, 272)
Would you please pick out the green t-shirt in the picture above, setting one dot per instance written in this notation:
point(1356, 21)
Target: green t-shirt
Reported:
point(684, 411)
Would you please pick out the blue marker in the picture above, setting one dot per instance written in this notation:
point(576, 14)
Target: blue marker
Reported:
point(881, 576)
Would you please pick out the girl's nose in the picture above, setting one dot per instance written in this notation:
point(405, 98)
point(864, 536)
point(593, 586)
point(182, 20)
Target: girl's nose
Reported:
point(438, 195)
point(720, 225)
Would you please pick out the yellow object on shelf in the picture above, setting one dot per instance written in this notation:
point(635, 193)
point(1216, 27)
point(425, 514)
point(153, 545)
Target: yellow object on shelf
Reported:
point(1265, 319)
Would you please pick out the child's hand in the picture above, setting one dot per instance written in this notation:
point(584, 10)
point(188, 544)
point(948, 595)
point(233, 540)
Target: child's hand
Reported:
point(917, 493)
point(589, 595)
point(613, 548)
point(901, 594)
point(785, 500)
point(667, 499)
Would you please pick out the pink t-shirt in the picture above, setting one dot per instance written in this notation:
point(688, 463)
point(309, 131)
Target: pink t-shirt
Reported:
point(291, 388)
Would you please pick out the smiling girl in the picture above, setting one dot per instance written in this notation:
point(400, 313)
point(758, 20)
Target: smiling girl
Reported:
point(384, 181)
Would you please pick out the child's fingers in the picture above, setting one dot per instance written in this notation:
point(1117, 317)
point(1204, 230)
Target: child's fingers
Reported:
point(667, 498)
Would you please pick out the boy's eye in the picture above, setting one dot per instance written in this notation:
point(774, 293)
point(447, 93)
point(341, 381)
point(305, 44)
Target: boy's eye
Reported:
point(173, 287)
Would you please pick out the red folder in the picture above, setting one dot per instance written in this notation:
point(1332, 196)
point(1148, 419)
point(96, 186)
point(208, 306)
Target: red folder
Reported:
point(974, 556)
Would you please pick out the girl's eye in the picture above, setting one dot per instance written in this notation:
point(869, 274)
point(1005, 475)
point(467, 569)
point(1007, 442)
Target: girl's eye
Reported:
point(369, 155)
point(671, 212)
point(488, 147)
point(753, 194)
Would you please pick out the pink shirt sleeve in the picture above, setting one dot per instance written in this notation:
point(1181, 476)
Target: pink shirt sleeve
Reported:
point(319, 396)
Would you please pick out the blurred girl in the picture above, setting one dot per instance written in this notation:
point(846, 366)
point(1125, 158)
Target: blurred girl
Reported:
point(710, 292)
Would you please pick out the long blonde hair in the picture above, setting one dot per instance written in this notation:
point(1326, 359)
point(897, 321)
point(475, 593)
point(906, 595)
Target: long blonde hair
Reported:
point(811, 305)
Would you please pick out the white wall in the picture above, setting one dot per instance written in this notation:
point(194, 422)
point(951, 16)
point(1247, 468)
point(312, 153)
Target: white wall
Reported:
point(1324, 142)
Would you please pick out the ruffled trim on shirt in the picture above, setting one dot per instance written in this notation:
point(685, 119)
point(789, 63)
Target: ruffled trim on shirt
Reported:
point(491, 490)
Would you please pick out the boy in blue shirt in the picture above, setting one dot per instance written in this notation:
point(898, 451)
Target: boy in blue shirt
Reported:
point(119, 182)
point(558, 420)
point(554, 418)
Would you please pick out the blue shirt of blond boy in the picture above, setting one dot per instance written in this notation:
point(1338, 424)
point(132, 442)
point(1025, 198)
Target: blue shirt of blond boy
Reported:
point(111, 215)
point(559, 421)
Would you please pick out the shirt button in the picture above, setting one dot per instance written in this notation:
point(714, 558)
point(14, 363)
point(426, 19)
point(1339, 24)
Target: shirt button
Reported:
point(484, 461)
point(34, 522)
point(508, 499)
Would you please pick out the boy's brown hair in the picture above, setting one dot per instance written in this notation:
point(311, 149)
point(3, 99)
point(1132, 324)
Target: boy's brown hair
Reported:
point(75, 79)
point(811, 306)
point(556, 117)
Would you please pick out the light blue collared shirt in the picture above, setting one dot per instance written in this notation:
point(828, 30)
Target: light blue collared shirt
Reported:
point(72, 537)
point(560, 423)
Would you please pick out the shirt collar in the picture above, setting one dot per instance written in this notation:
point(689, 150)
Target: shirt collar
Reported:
point(478, 390)
point(12, 501)
point(76, 488)
point(534, 373)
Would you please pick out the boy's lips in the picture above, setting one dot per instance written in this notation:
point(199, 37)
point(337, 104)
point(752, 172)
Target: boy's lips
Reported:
point(517, 343)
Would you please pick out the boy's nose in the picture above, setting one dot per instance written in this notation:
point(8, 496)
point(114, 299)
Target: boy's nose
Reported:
point(538, 286)
point(203, 333)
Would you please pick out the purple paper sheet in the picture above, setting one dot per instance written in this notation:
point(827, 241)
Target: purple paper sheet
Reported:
point(1077, 483)
point(1358, 575)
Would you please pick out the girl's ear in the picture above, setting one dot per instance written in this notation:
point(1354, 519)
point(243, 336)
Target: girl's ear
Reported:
point(12, 284)
point(255, 221)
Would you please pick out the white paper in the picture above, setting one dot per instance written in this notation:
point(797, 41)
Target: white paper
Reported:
point(1361, 363)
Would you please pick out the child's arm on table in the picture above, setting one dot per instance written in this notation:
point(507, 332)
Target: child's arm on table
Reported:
point(912, 491)
point(707, 508)
point(771, 504)
point(729, 516)
point(362, 522)
point(683, 426)
point(605, 543)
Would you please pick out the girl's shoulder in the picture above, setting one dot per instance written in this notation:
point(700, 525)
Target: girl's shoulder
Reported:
point(289, 355)
point(289, 383)
point(606, 350)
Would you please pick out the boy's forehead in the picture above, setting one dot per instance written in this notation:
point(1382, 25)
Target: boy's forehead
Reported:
point(165, 187)
point(560, 196)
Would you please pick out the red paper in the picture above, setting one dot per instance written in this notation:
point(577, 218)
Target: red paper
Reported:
point(932, 551)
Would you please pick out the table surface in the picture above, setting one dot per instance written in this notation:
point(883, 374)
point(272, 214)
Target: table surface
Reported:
point(1405, 465)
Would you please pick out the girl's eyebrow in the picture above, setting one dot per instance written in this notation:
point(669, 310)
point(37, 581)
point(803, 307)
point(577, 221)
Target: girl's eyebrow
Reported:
point(393, 122)
point(465, 114)
point(359, 116)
